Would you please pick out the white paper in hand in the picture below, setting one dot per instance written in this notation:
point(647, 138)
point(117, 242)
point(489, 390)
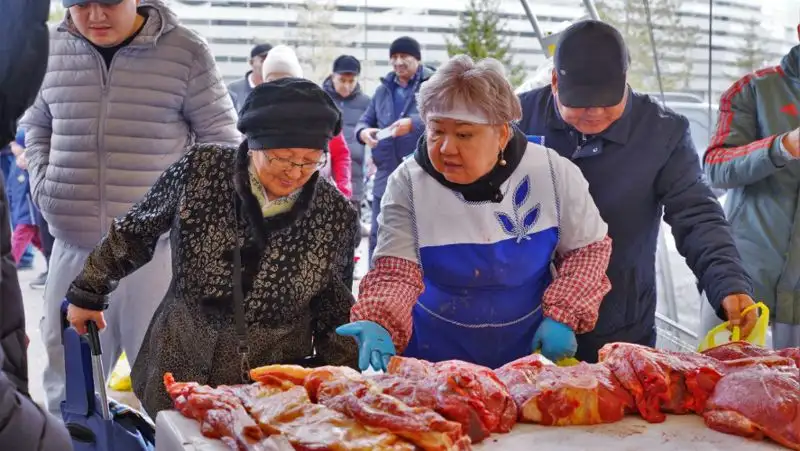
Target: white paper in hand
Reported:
point(382, 134)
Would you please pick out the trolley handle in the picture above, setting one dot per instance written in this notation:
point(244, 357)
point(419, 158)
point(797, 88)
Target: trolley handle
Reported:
point(93, 337)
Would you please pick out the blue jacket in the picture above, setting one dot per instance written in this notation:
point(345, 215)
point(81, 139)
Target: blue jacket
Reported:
point(644, 165)
point(763, 180)
point(23, 60)
point(389, 152)
point(18, 190)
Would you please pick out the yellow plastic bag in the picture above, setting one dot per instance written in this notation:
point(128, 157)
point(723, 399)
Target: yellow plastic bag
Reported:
point(121, 376)
point(567, 361)
point(757, 337)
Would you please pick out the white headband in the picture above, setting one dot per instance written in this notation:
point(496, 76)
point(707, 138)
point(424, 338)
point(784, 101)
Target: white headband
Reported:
point(460, 112)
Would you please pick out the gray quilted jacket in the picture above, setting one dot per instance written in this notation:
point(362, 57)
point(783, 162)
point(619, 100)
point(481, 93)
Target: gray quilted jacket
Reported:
point(97, 139)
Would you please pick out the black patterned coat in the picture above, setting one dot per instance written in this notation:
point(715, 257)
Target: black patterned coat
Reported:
point(297, 269)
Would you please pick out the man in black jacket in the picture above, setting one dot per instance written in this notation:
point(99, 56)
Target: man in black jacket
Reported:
point(23, 60)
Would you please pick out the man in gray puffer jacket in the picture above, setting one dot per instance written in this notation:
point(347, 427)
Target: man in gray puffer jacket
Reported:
point(23, 58)
point(127, 89)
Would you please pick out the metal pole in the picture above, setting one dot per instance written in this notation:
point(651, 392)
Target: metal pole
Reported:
point(655, 53)
point(592, 10)
point(535, 24)
point(710, 60)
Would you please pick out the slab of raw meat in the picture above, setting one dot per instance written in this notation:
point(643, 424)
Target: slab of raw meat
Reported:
point(221, 416)
point(741, 354)
point(464, 392)
point(792, 353)
point(577, 395)
point(347, 391)
point(662, 381)
point(311, 426)
point(758, 401)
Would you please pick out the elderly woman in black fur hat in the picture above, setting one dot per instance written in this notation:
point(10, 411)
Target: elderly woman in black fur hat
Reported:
point(262, 251)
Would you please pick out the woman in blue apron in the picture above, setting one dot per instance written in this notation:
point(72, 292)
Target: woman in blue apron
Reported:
point(489, 245)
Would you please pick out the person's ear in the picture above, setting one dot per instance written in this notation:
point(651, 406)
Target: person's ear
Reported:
point(504, 133)
point(554, 81)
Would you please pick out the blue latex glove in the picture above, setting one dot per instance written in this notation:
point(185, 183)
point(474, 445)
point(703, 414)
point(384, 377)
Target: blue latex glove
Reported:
point(556, 340)
point(375, 345)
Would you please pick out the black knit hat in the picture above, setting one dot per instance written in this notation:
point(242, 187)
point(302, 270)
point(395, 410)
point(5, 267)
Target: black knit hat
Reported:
point(289, 113)
point(346, 64)
point(407, 45)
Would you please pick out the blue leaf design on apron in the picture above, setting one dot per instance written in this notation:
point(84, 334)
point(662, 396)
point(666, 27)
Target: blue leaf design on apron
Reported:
point(530, 217)
point(521, 193)
point(508, 224)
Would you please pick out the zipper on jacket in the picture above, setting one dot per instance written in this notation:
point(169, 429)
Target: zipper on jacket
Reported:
point(105, 81)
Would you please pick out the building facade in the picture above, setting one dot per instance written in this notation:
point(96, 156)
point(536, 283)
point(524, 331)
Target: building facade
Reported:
point(322, 29)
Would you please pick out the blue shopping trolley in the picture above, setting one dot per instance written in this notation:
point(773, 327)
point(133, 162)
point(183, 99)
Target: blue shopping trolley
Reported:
point(94, 422)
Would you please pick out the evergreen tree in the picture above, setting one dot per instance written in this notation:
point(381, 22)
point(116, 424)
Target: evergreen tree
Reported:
point(753, 54)
point(674, 41)
point(481, 34)
point(316, 38)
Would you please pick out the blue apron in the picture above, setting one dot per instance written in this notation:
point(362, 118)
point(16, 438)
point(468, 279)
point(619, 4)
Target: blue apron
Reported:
point(482, 301)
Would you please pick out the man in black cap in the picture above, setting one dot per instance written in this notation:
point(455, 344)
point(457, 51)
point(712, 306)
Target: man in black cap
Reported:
point(343, 87)
point(393, 107)
point(23, 61)
point(639, 160)
point(241, 88)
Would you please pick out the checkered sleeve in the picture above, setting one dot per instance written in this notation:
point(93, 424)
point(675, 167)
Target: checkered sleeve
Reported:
point(580, 284)
point(386, 296)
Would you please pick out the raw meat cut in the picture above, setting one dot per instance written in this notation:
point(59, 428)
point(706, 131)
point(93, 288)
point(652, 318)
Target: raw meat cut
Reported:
point(312, 426)
point(347, 391)
point(464, 392)
point(662, 381)
point(221, 416)
point(576, 395)
point(758, 401)
point(792, 353)
point(741, 354)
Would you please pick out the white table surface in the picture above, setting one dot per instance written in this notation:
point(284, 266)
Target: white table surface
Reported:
point(174, 432)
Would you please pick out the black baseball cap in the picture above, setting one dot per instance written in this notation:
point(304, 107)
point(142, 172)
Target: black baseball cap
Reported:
point(71, 3)
point(591, 62)
point(346, 64)
point(260, 50)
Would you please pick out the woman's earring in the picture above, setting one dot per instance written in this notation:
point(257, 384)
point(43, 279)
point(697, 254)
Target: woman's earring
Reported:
point(501, 161)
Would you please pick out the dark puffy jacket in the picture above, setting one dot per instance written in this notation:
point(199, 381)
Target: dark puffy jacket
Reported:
point(643, 165)
point(23, 59)
point(353, 107)
point(389, 152)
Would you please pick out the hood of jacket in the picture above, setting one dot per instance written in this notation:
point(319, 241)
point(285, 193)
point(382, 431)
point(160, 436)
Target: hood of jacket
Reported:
point(160, 20)
point(791, 63)
point(327, 85)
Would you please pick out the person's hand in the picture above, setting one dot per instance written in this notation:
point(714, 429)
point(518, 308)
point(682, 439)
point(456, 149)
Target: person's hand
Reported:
point(78, 317)
point(22, 163)
point(375, 345)
point(368, 137)
point(556, 340)
point(791, 142)
point(402, 127)
point(733, 306)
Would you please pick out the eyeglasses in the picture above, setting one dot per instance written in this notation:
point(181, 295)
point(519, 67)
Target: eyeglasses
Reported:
point(286, 165)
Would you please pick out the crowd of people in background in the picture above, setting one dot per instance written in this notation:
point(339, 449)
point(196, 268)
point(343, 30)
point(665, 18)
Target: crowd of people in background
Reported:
point(163, 200)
